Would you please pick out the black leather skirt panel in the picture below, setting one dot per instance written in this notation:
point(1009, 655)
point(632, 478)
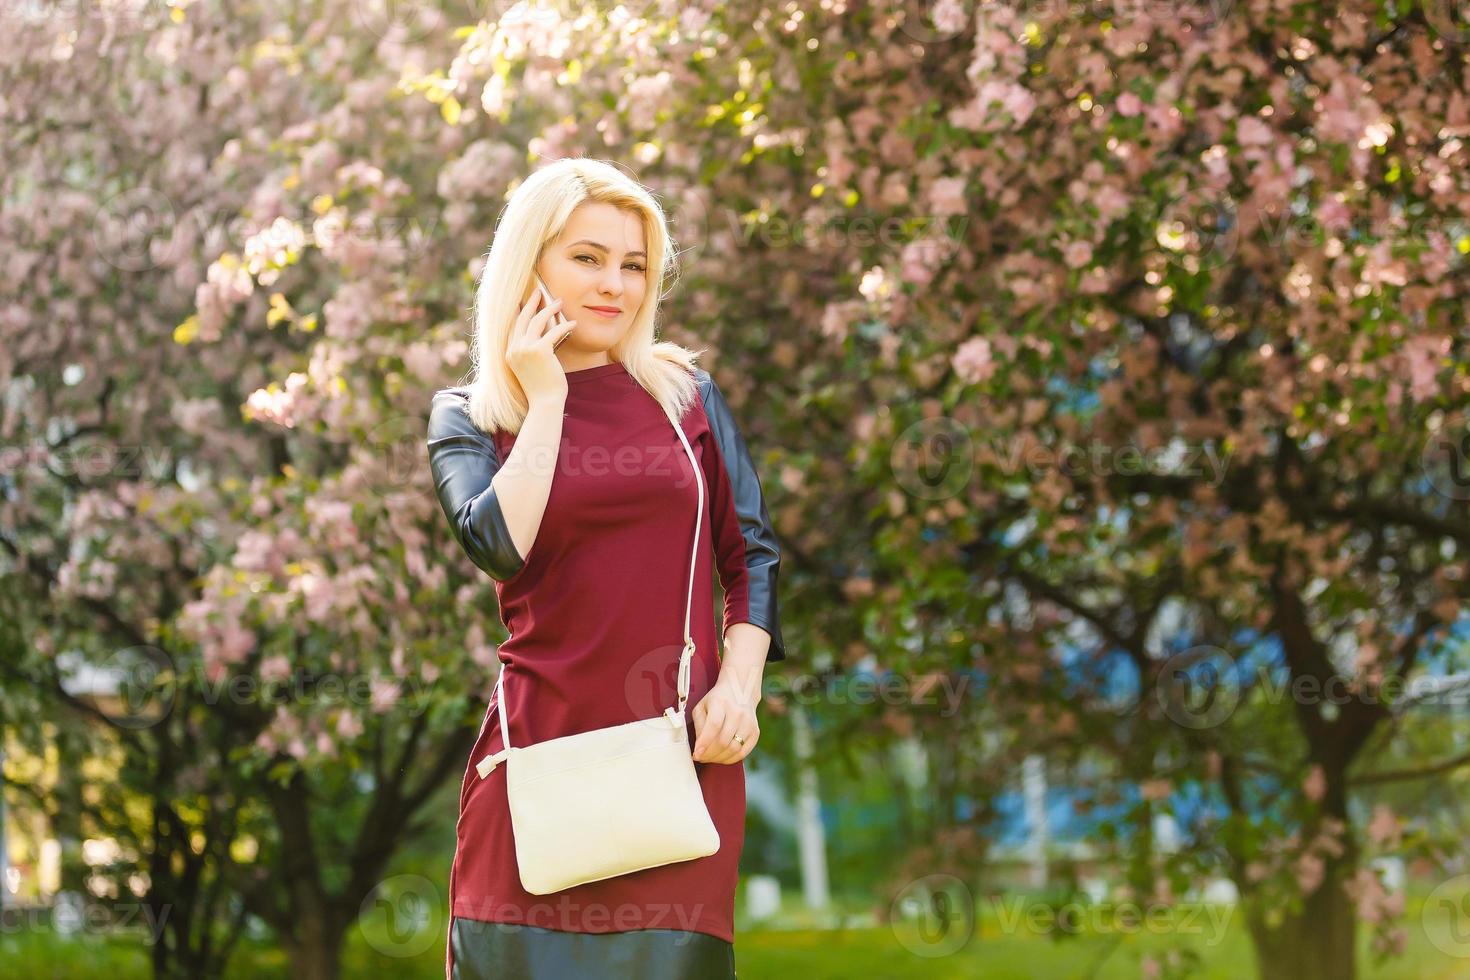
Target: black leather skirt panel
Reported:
point(501, 951)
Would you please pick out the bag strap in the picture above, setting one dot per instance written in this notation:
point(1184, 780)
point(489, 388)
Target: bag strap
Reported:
point(686, 658)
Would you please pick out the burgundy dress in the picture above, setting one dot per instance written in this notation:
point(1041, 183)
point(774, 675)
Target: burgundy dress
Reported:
point(595, 614)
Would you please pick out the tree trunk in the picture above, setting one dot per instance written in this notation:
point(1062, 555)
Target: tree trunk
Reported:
point(315, 930)
point(316, 950)
point(1319, 944)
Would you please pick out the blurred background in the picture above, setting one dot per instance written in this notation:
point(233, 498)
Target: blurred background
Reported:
point(1104, 364)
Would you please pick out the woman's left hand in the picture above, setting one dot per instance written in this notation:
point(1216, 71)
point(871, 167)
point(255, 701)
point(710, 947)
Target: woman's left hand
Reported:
point(723, 713)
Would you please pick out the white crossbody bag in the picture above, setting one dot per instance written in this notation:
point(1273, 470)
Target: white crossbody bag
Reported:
point(613, 800)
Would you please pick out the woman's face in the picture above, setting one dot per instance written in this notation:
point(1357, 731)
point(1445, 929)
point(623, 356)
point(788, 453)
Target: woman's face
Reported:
point(598, 268)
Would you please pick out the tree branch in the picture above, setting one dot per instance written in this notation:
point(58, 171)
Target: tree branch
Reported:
point(1398, 775)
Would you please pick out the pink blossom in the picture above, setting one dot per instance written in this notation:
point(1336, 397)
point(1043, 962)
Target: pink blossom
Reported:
point(288, 542)
point(1368, 650)
point(492, 96)
point(417, 563)
point(1437, 260)
point(320, 162)
point(1014, 100)
point(1392, 942)
point(920, 259)
point(1382, 267)
point(1129, 104)
point(1375, 904)
point(1155, 789)
point(692, 21)
point(1333, 213)
point(837, 318)
point(477, 172)
point(270, 247)
point(1315, 785)
point(1309, 870)
point(875, 284)
point(255, 551)
point(1111, 202)
point(422, 360)
point(1253, 131)
point(896, 152)
point(949, 16)
point(275, 407)
point(947, 196)
point(275, 668)
point(351, 308)
point(484, 655)
point(895, 190)
point(349, 726)
point(972, 361)
point(1328, 840)
point(231, 282)
point(863, 122)
point(1423, 352)
point(317, 594)
point(1383, 828)
point(1077, 253)
point(332, 521)
point(384, 693)
point(231, 645)
point(1165, 121)
point(196, 415)
point(1344, 111)
point(840, 167)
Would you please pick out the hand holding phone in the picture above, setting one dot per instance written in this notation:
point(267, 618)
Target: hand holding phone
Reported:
point(539, 328)
point(558, 318)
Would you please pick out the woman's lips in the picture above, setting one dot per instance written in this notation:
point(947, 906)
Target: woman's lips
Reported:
point(604, 312)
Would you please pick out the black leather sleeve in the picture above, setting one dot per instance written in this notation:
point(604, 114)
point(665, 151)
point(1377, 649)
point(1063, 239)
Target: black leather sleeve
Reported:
point(762, 551)
point(463, 460)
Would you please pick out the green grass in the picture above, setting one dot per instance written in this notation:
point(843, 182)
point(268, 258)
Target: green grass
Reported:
point(1004, 950)
point(992, 952)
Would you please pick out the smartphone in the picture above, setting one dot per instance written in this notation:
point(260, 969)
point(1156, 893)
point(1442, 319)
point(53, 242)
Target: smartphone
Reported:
point(558, 318)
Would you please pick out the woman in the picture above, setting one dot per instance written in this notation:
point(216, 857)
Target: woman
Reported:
point(562, 478)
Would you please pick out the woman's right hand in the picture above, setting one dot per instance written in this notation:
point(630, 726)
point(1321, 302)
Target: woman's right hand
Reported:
point(531, 353)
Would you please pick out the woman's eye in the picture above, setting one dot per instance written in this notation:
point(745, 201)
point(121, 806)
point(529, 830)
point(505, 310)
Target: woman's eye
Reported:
point(635, 267)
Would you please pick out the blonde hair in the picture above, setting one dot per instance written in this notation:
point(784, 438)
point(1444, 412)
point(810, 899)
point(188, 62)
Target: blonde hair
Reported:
point(534, 215)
